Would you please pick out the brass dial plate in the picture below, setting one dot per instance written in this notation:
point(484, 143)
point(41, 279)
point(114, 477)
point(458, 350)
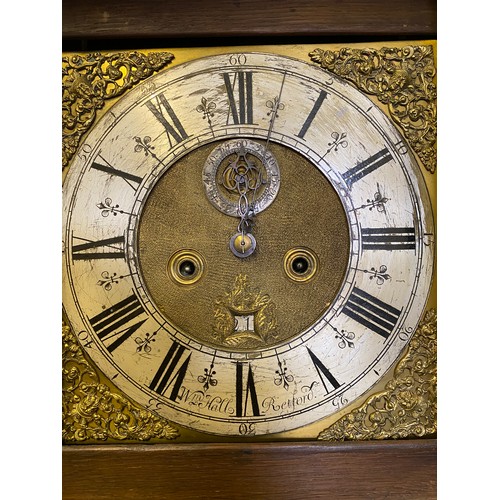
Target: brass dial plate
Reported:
point(344, 344)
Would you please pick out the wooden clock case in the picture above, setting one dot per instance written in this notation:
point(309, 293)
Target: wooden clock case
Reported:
point(364, 469)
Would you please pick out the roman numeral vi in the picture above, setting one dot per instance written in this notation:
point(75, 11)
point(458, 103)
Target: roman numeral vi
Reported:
point(244, 393)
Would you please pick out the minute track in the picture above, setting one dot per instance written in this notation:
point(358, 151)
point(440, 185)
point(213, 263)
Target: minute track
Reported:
point(193, 372)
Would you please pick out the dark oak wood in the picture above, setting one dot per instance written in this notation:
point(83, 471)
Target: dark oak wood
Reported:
point(168, 19)
point(361, 470)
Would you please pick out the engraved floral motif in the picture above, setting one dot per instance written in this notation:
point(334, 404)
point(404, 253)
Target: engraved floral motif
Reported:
point(207, 108)
point(282, 377)
point(88, 80)
point(108, 280)
point(380, 276)
point(378, 202)
point(207, 379)
point(408, 405)
point(401, 78)
point(94, 411)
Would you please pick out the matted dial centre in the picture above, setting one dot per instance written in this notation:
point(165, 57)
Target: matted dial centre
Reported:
point(180, 219)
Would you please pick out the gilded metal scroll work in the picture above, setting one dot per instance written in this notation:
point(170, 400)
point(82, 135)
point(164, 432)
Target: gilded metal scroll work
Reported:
point(408, 405)
point(88, 80)
point(93, 412)
point(401, 78)
point(244, 317)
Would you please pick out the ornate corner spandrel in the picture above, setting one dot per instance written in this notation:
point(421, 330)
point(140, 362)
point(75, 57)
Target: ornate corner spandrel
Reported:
point(407, 408)
point(88, 80)
point(94, 411)
point(401, 78)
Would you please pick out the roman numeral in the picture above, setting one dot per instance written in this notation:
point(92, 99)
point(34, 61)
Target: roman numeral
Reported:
point(367, 166)
point(242, 393)
point(108, 248)
point(392, 238)
point(323, 372)
point(371, 312)
point(241, 109)
point(312, 114)
point(104, 166)
point(170, 122)
point(171, 371)
point(108, 323)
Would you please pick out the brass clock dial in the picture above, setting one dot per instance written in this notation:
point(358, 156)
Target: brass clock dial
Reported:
point(245, 244)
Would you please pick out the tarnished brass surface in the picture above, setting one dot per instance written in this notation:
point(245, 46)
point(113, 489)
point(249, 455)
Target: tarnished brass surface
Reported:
point(403, 79)
point(300, 264)
point(408, 405)
point(178, 215)
point(242, 301)
point(94, 411)
point(88, 80)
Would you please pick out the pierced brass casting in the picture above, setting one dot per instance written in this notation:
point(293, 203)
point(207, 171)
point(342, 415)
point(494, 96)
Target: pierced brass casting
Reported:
point(244, 301)
point(88, 80)
point(92, 411)
point(408, 405)
point(401, 78)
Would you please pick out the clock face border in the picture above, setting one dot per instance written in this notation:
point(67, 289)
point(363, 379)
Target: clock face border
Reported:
point(423, 188)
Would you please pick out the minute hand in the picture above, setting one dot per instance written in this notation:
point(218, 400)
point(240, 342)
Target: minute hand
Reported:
point(275, 105)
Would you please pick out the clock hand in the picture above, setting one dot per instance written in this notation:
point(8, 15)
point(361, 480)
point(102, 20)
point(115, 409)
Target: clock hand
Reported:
point(250, 179)
point(241, 179)
point(244, 177)
point(275, 105)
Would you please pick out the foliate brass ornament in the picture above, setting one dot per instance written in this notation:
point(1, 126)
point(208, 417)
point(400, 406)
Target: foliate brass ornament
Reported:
point(124, 316)
point(244, 317)
point(93, 411)
point(88, 80)
point(401, 78)
point(408, 405)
